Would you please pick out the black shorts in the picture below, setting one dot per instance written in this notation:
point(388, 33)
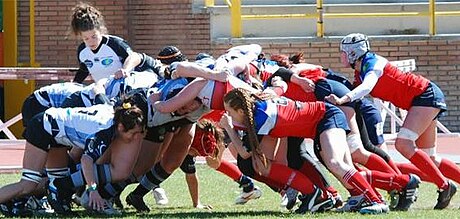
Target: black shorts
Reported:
point(157, 134)
point(30, 108)
point(36, 134)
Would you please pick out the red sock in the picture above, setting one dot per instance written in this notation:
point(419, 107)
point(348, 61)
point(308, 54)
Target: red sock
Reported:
point(354, 192)
point(230, 169)
point(375, 162)
point(393, 166)
point(355, 179)
point(269, 182)
point(407, 168)
point(450, 170)
point(421, 160)
point(387, 181)
point(293, 178)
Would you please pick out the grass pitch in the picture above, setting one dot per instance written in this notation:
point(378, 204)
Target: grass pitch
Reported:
point(220, 191)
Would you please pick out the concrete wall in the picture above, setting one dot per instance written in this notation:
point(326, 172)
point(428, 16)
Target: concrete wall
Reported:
point(149, 25)
point(302, 27)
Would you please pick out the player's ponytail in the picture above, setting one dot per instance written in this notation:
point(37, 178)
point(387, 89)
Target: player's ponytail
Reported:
point(240, 98)
point(129, 115)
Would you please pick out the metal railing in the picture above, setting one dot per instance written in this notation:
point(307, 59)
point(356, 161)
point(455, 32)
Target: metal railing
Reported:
point(237, 17)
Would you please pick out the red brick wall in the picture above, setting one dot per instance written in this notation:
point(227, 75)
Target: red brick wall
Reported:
point(149, 25)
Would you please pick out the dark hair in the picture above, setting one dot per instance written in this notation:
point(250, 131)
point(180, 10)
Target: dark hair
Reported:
point(170, 54)
point(86, 17)
point(137, 97)
point(297, 58)
point(129, 115)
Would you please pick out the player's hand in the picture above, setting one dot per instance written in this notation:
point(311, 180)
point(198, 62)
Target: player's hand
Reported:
point(332, 98)
point(204, 207)
point(306, 84)
point(226, 122)
point(121, 73)
point(96, 202)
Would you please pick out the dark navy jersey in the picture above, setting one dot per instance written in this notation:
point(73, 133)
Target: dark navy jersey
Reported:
point(98, 143)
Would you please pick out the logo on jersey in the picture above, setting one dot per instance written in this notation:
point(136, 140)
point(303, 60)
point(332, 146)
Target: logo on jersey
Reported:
point(107, 61)
point(88, 63)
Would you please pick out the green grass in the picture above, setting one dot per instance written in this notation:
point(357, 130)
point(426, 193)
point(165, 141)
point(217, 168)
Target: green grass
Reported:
point(220, 191)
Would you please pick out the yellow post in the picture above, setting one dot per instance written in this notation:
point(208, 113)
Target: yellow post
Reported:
point(10, 29)
point(15, 91)
point(209, 3)
point(235, 11)
point(319, 20)
point(432, 11)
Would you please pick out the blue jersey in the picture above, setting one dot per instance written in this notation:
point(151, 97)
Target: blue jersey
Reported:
point(118, 87)
point(72, 126)
point(97, 144)
point(54, 95)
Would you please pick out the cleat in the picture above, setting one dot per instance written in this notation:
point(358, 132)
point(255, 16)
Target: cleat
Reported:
point(117, 202)
point(291, 198)
point(338, 201)
point(137, 202)
point(244, 197)
point(393, 196)
point(353, 204)
point(409, 194)
point(159, 194)
point(374, 208)
point(445, 196)
point(60, 205)
point(314, 202)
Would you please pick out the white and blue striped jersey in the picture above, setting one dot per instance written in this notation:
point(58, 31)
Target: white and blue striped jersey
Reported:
point(53, 95)
point(118, 87)
point(72, 126)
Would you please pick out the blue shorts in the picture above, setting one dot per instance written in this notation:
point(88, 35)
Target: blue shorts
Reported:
point(326, 87)
point(372, 120)
point(432, 97)
point(333, 118)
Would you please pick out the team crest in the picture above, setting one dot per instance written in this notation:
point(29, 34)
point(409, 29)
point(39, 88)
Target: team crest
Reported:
point(88, 63)
point(106, 61)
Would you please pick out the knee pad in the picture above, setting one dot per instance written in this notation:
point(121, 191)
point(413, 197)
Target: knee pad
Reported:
point(354, 142)
point(32, 176)
point(408, 134)
point(188, 165)
point(102, 173)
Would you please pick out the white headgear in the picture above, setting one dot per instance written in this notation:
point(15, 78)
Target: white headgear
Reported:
point(354, 45)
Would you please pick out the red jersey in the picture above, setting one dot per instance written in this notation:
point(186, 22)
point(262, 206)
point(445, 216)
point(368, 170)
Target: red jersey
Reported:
point(283, 117)
point(394, 85)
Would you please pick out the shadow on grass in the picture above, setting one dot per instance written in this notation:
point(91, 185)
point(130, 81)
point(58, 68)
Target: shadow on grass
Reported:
point(207, 214)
